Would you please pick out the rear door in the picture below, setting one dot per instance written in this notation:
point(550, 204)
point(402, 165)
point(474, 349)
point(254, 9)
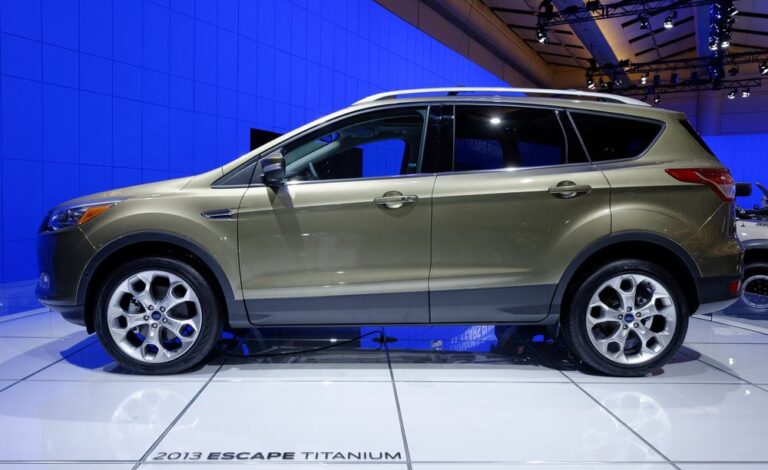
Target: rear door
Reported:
point(518, 203)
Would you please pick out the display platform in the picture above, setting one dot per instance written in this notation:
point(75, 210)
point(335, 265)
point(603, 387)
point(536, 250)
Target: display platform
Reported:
point(433, 398)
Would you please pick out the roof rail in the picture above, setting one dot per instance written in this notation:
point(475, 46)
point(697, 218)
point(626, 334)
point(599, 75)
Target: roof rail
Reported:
point(492, 90)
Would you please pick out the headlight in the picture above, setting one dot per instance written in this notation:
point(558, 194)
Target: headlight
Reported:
point(67, 217)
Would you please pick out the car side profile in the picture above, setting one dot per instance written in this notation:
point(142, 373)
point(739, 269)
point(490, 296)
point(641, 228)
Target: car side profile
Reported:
point(596, 213)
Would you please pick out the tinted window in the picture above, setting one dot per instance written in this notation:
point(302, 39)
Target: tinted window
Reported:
point(492, 137)
point(368, 146)
point(612, 137)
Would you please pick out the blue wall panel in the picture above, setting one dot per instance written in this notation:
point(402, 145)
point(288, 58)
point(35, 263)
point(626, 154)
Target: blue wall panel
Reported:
point(96, 94)
point(745, 156)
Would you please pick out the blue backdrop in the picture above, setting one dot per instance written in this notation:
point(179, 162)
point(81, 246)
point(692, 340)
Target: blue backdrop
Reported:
point(747, 158)
point(98, 94)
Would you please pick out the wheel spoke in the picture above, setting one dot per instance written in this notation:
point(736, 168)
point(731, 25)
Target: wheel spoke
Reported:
point(171, 300)
point(606, 312)
point(177, 328)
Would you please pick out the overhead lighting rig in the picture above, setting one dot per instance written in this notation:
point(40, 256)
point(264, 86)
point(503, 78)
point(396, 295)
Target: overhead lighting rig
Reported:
point(670, 65)
point(745, 86)
point(721, 18)
point(596, 10)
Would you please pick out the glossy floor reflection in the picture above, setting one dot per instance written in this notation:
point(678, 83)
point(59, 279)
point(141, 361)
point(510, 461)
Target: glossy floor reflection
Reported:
point(429, 397)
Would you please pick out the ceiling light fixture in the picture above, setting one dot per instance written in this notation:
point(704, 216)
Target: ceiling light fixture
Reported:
point(732, 94)
point(644, 79)
point(541, 35)
point(669, 23)
point(745, 93)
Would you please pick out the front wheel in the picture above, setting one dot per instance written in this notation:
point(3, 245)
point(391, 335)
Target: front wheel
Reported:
point(626, 319)
point(157, 316)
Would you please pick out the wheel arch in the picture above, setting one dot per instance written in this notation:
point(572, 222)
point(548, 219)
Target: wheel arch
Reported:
point(154, 244)
point(648, 246)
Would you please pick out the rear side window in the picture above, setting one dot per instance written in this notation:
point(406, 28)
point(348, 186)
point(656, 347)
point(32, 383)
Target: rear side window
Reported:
point(494, 137)
point(613, 137)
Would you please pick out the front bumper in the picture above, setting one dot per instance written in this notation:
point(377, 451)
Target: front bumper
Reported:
point(62, 258)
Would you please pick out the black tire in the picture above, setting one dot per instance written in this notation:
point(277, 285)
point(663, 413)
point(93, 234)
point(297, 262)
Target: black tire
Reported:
point(756, 268)
point(209, 333)
point(574, 318)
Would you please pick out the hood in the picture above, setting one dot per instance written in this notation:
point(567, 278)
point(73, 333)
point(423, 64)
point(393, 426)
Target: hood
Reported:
point(158, 188)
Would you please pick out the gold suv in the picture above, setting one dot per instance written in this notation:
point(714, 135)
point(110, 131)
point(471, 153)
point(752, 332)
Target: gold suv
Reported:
point(506, 206)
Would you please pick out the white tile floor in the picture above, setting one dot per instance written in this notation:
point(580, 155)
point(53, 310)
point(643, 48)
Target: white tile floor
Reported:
point(437, 398)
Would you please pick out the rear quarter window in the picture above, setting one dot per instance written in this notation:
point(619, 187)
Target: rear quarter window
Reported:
point(611, 137)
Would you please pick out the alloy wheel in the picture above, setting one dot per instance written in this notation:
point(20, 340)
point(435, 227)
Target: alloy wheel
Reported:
point(631, 319)
point(154, 316)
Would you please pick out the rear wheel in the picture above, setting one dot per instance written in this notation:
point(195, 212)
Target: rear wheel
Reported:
point(627, 318)
point(157, 316)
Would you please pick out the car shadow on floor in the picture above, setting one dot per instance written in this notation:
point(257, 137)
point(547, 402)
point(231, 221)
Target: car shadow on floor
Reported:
point(358, 349)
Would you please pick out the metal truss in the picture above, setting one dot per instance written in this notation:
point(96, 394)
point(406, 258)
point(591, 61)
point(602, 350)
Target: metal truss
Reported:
point(687, 85)
point(696, 63)
point(547, 17)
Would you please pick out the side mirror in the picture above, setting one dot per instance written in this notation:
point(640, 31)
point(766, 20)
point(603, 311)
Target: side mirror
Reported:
point(272, 168)
point(743, 189)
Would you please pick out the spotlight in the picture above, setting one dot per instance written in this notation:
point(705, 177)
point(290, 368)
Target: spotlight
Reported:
point(618, 82)
point(541, 34)
point(763, 68)
point(732, 94)
point(669, 23)
point(644, 23)
point(592, 5)
point(726, 42)
point(644, 79)
point(590, 82)
point(745, 93)
point(713, 44)
point(657, 100)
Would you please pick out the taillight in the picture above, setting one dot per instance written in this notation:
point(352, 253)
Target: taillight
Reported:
point(719, 179)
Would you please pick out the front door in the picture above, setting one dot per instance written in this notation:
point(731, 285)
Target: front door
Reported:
point(519, 202)
point(347, 239)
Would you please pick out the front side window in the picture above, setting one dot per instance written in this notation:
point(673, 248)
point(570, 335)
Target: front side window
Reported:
point(494, 137)
point(613, 137)
point(373, 145)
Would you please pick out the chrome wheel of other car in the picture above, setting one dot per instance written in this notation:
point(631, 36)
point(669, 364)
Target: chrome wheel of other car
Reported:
point(631, 319)
point(154, 316)
point(754, 291)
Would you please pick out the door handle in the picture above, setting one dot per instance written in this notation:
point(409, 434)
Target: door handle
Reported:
point(569, 190)
point(395, 200)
